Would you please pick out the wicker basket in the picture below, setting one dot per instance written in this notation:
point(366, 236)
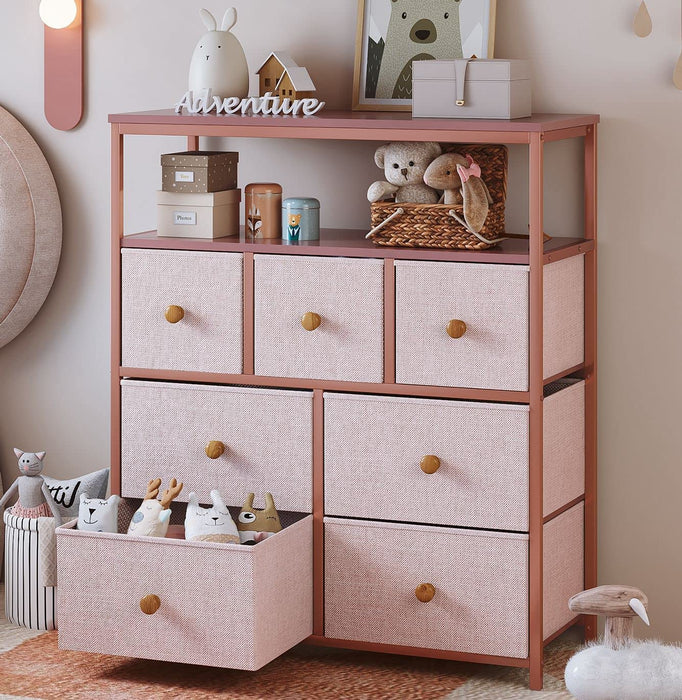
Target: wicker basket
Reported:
point(433, 225)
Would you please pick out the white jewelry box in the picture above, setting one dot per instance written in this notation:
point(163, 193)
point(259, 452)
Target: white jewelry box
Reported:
point(471, 89)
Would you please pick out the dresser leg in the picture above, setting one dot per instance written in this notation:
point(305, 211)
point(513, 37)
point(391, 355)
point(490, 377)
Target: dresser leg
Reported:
point(536, 671)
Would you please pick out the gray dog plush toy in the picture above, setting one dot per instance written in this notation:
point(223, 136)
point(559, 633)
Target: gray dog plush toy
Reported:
point(35, 500)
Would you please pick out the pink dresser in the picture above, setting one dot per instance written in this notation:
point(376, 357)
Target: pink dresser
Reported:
point(438, 489)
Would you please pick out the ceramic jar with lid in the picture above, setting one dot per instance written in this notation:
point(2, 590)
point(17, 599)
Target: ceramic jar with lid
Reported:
point(262, 203)
point(301, 219)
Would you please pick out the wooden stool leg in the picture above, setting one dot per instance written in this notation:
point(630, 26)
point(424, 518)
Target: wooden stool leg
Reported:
point(590, 628)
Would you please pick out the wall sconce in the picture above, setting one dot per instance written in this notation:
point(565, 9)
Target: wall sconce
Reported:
point(63, 61)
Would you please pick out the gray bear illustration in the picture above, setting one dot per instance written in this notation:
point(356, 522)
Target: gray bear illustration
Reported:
point(418, 30)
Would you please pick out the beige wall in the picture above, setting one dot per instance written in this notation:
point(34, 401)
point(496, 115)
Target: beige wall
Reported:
point(54, 376)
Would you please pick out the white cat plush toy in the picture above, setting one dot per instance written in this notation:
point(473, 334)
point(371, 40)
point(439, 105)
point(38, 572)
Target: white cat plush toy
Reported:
point(218, 62)
point(213, 524)
point(98, 515)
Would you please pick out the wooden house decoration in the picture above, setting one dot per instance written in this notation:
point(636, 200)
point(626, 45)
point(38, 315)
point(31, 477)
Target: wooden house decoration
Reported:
point(280, 75)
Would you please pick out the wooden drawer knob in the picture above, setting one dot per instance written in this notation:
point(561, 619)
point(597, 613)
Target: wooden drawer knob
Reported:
point(310, 321)
point(429, 464)
point(174, 314)
point(214, 449)
point(456, 328)
point(150, 604)
point(425, 592)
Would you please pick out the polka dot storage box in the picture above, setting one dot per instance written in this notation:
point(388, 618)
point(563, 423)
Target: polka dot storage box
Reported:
point(195, 172)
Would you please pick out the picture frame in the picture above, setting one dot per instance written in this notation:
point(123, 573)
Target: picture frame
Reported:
point(440, 29)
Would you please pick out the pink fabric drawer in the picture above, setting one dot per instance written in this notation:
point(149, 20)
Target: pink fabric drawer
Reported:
point(563, 444)
point(481, 581)
point(227, 605)
point(348, 296)
point(207, 286)
point(374, 444)
point(491, 299)
point(493, 302)
point(564, 566)
point(564, 315)
point(165, 428)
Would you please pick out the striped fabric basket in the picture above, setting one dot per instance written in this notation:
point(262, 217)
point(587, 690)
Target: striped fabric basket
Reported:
point(30, 564)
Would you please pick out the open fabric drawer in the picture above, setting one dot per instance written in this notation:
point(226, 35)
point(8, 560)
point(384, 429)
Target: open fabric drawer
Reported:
point(228, 605)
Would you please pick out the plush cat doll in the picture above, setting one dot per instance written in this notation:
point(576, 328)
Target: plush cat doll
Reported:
point(151, 519)
point(213, 524)
point(66, 493)
point(97, 515)
point(256, 525)
point(35, 500)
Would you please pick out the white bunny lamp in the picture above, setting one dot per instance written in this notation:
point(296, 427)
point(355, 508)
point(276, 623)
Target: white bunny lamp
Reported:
point(218, 62)
point(620, 667)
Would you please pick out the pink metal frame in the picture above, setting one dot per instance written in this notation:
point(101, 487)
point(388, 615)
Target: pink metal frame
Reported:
point(535, 133)
point(536, 211)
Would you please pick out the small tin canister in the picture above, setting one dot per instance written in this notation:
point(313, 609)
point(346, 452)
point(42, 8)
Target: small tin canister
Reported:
point(263, 202)
point(301, 219)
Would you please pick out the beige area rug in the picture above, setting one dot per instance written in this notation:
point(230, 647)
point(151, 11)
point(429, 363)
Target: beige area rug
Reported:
point(32, 666)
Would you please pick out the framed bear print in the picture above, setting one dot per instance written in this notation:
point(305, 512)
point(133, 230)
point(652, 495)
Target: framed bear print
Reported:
point(393, 33)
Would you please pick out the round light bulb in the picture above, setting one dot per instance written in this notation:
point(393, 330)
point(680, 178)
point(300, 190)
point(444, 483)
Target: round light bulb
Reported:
point(58, 14)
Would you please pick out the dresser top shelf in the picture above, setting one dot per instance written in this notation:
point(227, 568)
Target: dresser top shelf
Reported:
point(348, 243)
point(354, 126)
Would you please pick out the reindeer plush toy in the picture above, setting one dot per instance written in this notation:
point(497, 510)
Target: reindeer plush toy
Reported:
point(35, 500)
point(152, 517)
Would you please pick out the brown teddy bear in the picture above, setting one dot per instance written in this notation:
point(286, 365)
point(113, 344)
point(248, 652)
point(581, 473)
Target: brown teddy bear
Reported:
point(404, 165)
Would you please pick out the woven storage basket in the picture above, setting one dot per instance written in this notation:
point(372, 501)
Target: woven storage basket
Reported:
point(432, 225)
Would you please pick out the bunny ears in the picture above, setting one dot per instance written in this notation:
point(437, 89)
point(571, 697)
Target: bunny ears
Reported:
point(229, 20)
point(473, 169)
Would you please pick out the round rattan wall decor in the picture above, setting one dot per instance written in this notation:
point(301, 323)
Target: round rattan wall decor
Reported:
point(30, 228)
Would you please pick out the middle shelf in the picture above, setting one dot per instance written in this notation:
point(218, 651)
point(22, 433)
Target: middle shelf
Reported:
point(352, 243)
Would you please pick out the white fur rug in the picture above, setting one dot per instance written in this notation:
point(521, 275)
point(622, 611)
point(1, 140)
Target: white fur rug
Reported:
point(643, 671)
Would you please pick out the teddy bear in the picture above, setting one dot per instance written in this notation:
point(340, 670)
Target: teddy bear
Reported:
point(404, 165)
